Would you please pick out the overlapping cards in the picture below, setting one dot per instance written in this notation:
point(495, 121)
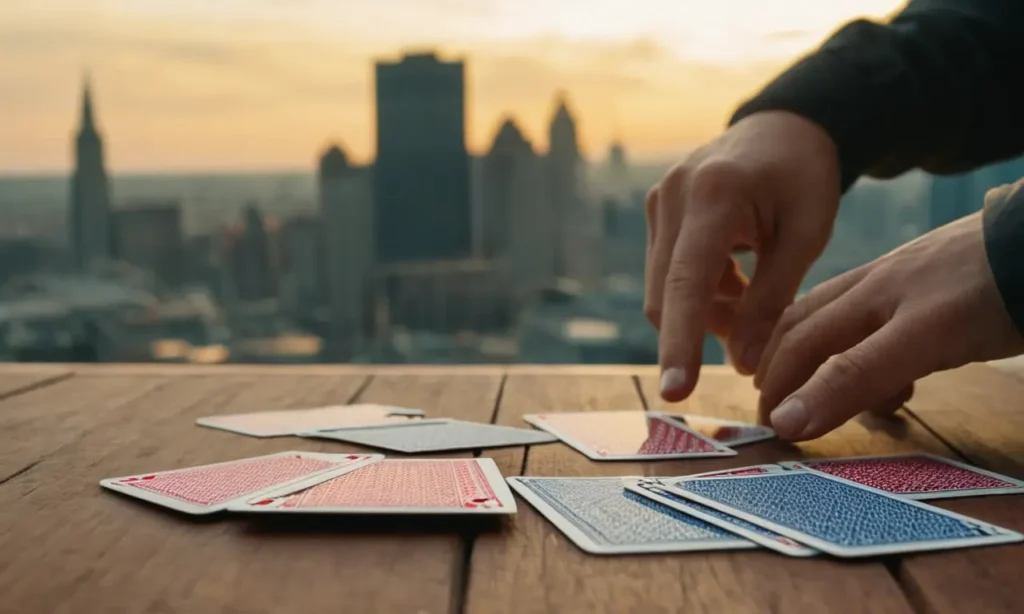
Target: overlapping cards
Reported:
point(847, 508)
point(312, 483)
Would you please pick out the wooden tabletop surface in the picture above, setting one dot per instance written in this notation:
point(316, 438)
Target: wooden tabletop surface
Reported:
point(68, 546)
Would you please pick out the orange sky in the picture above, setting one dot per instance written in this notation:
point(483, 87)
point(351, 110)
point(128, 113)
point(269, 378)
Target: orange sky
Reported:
point(265, 84)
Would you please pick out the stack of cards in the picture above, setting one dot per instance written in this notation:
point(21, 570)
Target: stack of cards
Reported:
point(424, 436)
point(308, 483)
point(842, 507)
point(640, 435)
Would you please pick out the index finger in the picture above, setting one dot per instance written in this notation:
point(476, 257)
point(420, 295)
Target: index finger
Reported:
point(699, 258)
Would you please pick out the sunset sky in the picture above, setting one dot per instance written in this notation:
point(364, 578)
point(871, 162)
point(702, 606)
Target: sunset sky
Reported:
point(265, 84)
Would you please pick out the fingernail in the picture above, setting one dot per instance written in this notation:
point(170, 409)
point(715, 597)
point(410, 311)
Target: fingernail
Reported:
point(672, 379)
point(752, 357)
point(790, 418)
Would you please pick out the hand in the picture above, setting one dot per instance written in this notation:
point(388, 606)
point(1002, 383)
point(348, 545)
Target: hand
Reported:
point(770, 183)
point(861, 339)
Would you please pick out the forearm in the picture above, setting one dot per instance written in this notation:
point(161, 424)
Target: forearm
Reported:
point(1004, 245)
point(935, 88)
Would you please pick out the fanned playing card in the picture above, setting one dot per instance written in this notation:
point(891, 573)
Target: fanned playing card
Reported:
point(397, 486)
point(731, 433)
point(294, 421)
point(211, 488)
point(601, 517)
point(840, 517)
point(654, 490)
point(423, 436)
point(916, 476)
point(628, 435)
point(749, 470)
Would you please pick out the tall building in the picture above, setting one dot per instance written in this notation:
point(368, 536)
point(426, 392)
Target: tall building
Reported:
point(578, 225)
point(89, 224)
point(346, 212)
point(150, 236)
point(421, 182)
point(301, 244)
point(517, 224)
point(251, 259)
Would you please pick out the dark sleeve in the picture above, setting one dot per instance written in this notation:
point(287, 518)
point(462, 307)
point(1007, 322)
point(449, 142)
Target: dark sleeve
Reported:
point(1004, 245)
point(937, 87)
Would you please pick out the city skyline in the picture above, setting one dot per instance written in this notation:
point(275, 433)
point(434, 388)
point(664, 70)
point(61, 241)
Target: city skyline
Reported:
point(183, 92)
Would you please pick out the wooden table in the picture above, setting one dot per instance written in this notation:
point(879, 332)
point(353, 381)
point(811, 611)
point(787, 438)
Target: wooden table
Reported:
point(67, 546)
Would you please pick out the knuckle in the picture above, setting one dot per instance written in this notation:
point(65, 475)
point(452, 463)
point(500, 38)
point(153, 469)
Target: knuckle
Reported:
point(845, 370)
point(791, 316)
point(715, 178)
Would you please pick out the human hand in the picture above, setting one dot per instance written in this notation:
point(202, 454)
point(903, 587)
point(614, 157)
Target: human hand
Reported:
point(770, 183)
point(856, 341)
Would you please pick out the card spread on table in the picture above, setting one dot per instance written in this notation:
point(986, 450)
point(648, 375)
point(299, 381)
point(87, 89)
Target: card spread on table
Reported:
point(840, 517)
point(293, 421)
point(655, 491)
point(916, 476)
point(421, 436)
point(627, 435)
point(751, 470)
point(397, 486)
point(211, 488)
point(601, 517)
point(728, 432)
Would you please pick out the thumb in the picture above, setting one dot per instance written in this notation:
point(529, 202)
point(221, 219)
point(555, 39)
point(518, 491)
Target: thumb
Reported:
point(864, 377)
point(772, 289)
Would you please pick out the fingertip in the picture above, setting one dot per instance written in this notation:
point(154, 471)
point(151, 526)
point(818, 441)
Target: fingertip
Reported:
point(791, 419)
point(675, 385)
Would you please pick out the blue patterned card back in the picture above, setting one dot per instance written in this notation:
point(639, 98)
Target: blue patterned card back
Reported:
point(609, 515)
point(832, 511)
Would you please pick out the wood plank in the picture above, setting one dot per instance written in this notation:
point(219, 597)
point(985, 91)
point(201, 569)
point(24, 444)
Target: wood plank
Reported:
point(977, 409)
point(534, 569)
point(38, 422)
point(13, 382)
point(120, 556)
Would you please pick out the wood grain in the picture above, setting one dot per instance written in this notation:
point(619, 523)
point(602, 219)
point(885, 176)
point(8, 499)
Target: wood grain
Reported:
point(13, 383)
point(82, 549)
point(978, 410)
point(535, 569)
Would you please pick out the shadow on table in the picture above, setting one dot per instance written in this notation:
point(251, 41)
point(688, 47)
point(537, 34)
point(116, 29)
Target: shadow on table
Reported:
point(389, 524)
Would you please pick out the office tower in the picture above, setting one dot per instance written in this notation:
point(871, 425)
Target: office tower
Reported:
point(579, 226)
point(346, 211)
point(250, 258)
point(421, 183)
point(518, 225)
point(301, 244)
point(150, 236)
point(89, 224)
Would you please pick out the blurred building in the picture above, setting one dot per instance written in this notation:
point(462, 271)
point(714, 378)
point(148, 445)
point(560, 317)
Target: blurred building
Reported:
point(578, 224)
point(89, 223)
point(517, 225)
point(26, 255)
point(421, 182)
point(250, 259)
point(301, 244)
point(346, 213)
point(149, 236)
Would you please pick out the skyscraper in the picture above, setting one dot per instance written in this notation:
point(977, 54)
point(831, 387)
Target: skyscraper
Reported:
point(150, 236)
point(346, 213)
point(89, 224)
point(251, 259)
point(421, 183)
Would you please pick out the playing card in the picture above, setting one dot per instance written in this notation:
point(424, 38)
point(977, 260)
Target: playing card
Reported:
point(839, 517)
point(397, 486)
point(601, 517)
point(655, 491)
point(422, 436)
point(916, 476)
point(751, 470)
point(627, 435)
point(294, 421)
point(211, 488)
point(727, 432)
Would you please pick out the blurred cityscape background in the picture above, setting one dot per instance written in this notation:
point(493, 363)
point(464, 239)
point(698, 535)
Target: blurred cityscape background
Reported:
point(527, 250)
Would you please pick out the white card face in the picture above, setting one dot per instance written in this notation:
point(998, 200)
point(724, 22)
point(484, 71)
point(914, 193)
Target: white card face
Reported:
point(839, 517)
point(294, 421)
point(456, 486)
point(207, 489)
point(726, 432)
point(422, 436)
point(723, 473)
point(628, 435)
point(656, 491)
point(601, 517)
point(915, 476)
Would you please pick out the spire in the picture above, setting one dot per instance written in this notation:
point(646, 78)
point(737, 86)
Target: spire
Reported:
point(88, 124)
